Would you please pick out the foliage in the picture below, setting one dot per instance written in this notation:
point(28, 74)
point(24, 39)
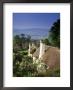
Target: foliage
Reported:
point(24, 52)
point(55, 34)
point(23, 66)
point(46, 41)
point(21, 42)
point(50, 73)
point(53, 72)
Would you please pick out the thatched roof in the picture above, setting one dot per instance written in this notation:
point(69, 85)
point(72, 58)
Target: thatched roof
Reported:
point(36, 53)
point(52, 57)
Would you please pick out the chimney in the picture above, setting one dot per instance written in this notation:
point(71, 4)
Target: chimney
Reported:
point(29, 54)
point(42, 49)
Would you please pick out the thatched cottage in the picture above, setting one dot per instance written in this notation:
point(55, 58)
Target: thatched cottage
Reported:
point(48, 54)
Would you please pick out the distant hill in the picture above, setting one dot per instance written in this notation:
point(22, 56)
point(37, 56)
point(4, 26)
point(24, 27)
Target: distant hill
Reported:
point(35, 33)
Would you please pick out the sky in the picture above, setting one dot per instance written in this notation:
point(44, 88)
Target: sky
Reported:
point(37, 25)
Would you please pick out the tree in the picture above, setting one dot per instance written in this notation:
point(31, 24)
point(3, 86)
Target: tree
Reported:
point(46, 41)
point(28, 38)
point(55, 33)
point(23, 39)
point(16, 43)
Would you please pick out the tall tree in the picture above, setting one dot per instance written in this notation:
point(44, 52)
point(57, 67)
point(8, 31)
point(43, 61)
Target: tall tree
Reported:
point(16, 42)
point(23, 39)
point(55, 33)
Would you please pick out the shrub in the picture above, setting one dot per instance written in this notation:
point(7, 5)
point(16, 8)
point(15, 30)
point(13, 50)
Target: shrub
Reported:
point(53, 72)
point(23, 66)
